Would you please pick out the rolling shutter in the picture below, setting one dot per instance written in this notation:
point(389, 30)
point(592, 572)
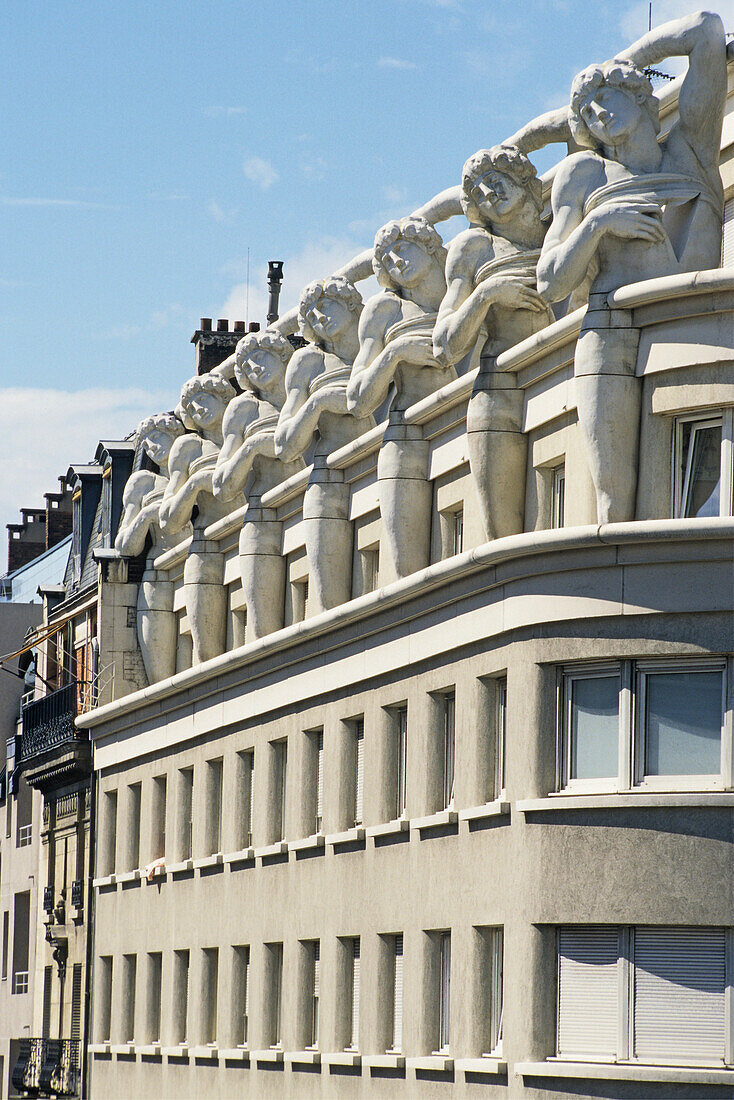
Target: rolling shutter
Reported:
point(588, 991)
point(319, 780)
point(46, 1024)
point(679, 993)
point(397, 1018)
point(354, 1042)
point(359, 793)
point(76, 1002)
point(727, 240)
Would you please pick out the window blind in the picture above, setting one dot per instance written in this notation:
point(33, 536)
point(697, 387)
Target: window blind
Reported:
point(354, 1040)
point(588, 991)
point(727, 240)
point(319, 780)
point(397, 1017)
point(359, 785)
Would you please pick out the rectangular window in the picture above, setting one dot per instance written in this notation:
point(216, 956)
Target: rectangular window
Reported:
point(274, 962)
point(353, 1000)
point(359, 771)
point(559, 496)
point(108, 854)
point(501, 736)
point(133, 826)
point(280, 775)
point(313, 948)
point(370, 560)
point(299, 600)
point(180, 997)
point(209, 994)
point(457, 531)
point(76, 1002)
point(21, 941)
point(449, 746)
point(681, 717)
point(103, 999)
point(48, 977)
point(397, 993)
point(647, 994)
point(702, 471)
point(153, 1006)
point(214, 806)
point(496, 975)
point(401, 760)
point(158, 818)
point(6, 943)
point(241, 996)
point(185, 813)
point(129, 975)
point(591, 726)
point(444, 993)
point(315, 781)
point(246, 766)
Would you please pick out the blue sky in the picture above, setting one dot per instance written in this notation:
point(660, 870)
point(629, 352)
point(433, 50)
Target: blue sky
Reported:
point(147, 146)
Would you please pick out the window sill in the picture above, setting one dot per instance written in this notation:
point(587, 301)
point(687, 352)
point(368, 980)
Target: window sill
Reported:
point(302, 1057)
point(440, 1063)
point(432, 821)
point(214, 860)
point(383, 1061)
point(98, 1049)
point(278, 849)
point(498, 808)
point(628, 800)
point(235, 1054)
point(149, 1048)
point(271, 1054)
point(486, 1065)
point(244, 855)
point(180, 1051)
point(309, 843)
point(389, 828)
point(104, 880)
point(205, 1051)
point(348, 836)
point(122, 1049)
point(129, 876)
point(342, 1058)
point(694, 1075)
point(181, 868)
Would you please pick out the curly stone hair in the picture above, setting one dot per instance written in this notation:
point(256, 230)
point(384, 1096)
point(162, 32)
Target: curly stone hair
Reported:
point(510, 162)
point(412, 228)
point(617, 74)
point(166, 422)
point(335, 286)
point(206, 383)
point(267, 340)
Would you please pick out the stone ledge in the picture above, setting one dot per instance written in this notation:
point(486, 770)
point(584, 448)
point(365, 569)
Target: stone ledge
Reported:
point(278, 849)
point(104, 880)
point(484, 1064)
point(307, 843)
point(214, 860)
point(204, 1051)
point(129, 876)
point(647, 800)
point(98, 1049)
point(180, 1051)
point(242, 856)
point(383, 1061)
point(347, 836)
point(302, 1057)
point(389, 828)
point(614, 1071)
point(235, 1054)
point(181, 868)
point(270, 1054)
point(149, 1048)
point(432, 821)
point(341, 1058)
point(497, 808)
point(122, 1049)
point(440, 1063)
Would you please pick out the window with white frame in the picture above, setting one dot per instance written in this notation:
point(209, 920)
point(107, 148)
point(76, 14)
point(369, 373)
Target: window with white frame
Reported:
point(656, 724)
point(558, 518)
point(317, 739)
point(279, 776)
point(241, 996)
point(314, 993)
point(397, 992)
point(275, 951)
point(444, 992)
point(358, 771)
point(449, 747)
point(457, 531)
point(702, 461)
point(500, 727)
point(246, 772)
point(354, 990)
point(645, 994)
point(401, 760)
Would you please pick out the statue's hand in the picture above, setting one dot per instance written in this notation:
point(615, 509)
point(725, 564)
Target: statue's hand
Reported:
point(416, 349)
point(512, 294)
point(332, 398)
point(630, 221)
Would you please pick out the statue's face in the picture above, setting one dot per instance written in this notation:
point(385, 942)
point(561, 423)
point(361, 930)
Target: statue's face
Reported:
point(612, 114)
point(205, 409)
point(264, 370)
point(497, 196)
point(407, 263)
point(158, 445)
point(329, 317)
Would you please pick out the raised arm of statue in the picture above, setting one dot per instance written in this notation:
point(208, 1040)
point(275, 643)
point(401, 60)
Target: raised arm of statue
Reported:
point(182, 489)
point(238, 454)
point(137, 516)
point(300, 414)
point(375, 364)
point(700, 37)
point(546, 129)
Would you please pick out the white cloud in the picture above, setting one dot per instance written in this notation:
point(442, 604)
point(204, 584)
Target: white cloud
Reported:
point(396, 63)
point(316, 260)
point(260, 171)
point(44, 431)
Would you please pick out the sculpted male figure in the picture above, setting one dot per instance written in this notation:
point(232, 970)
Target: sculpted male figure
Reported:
point(633, 208)
point(395, 333)
point(316, 403)
point(492, 301)
point(247, 461)
point(191, 466)
point(141, 507)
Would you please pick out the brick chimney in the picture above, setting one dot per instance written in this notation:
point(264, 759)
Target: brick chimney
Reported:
point(215, 345)
point(40, 528)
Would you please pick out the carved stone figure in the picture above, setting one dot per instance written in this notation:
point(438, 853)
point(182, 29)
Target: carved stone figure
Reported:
point(492, 303)
point(140, 518)
point(247, 461)
point(395, 334)
point(191, 467)
point(633, 208)
point(316, 403)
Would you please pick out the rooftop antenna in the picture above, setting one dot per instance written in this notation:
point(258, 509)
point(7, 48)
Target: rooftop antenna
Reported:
point(247, 289)
point(649, 16)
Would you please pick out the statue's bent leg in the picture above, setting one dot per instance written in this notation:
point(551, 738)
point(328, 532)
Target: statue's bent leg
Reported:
point(156, 626)
point(406, 498)
point(206, 599)
point(608, 400)
point(328, 539)
point(498, 452)
point(262, 568)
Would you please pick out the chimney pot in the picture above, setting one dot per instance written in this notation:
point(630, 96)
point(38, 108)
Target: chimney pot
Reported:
point(205, 324)
point(239, 326)
point(222, 325)
point(254, 326)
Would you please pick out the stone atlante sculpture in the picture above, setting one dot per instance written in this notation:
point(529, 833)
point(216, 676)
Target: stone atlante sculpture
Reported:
point(248, 463)
point(631, 207)
point(316, 404)
point(191, 467)
point(140, 519)
point(395, 333)
point(491, 299)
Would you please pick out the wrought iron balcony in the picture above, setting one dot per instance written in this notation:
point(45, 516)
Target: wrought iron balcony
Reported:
point(47, 1067)
point(50, 748)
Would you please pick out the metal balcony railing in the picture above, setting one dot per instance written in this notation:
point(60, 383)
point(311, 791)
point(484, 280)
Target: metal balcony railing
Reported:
point(48, 722)
point(47, 1067)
